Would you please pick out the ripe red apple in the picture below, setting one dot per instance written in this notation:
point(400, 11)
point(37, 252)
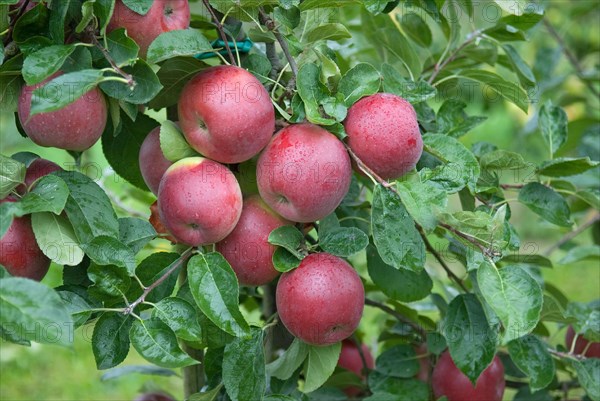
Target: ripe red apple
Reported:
point(163, 16)
point(19, 251)
point(226, 114)
point(322, 300)
point(350, 360)
point(247, 248)
point(77, 126)
point(384, 133)
point(153, 162)
point(199, 201)
point(154, 397)
point(304, 173)
point(448, 380)
point(36, 170)
point(593, 351)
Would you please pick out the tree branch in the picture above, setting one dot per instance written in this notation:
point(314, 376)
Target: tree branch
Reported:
point(220, 30)
point(11, 27)
point(113, 64)
point(572, 234)
point(270, 24)
point(174, 266)
point(440, 65)
point(397, 315)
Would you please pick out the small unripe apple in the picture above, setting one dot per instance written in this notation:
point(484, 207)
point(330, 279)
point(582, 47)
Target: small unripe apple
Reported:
point(247, 248)
point(19, 251)
point(155, 397)
point(304, 173)
point(153, 162)
point(36, 170)
point(163, 16)
point(593, 351)
point(226, 114)
point(199, 201)
point(77, 126)
point(384, 133)
point(447, 380)
point(351, 360)
point(322, 300)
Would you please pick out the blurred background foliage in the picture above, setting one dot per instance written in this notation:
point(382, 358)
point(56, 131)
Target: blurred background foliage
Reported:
point(53, 373)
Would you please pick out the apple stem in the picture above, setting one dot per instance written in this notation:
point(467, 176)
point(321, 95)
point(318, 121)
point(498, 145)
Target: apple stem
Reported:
point(270, 25)
point(220, 29)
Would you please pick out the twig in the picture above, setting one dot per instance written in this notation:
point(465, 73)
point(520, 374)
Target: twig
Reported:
point(566, 355)
point(174, 266)
point(14, 21)
point(397, 315)
point(489, 253)
point(441, 261)
point(570, 56)
point(113, 64)
point(270, 24)
point(221, 31)
point(440, 65)
point(369, 172)
point(572, 234)
point(511, 186)
point(358, 346)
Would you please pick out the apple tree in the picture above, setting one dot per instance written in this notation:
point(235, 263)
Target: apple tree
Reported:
point(307, 181)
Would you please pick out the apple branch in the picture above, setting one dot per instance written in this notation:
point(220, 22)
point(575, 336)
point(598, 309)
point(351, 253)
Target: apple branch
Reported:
point(572, 234)
point(441, 64)
point(14, 21)
point(113, 64)
point(221, 30)
point(147, 290)
point(397, 315)
point(270, 24)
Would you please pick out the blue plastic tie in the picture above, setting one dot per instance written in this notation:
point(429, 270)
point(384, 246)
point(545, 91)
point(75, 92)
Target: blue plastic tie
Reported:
point(243, 46)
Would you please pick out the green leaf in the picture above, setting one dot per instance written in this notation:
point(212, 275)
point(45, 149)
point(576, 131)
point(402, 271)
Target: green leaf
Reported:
point(32, 311)
point(531, 355)
point(153, 268)
point(394, 233)
point(344, 241)
point(416, 29)
point(216, 290)
point(180, 316)
point(56, 238)
point(546, 203)
point(12, 173)
point(122, 151)
point(77, 307)
point(499, 160)
point(399, 284)
point(173, 143)
point(453, 121)
point(123, 371)
point(110, 282)
point(103, 10)
point(588, 371)
point(471, 340)
point(104, 250)
point(388, 388)
point(284, 367)
point(146, 84)
point(480, 226)
point(88, 208)
point(110, 340)
point(121, 48)
point(87, 14)
point(50, 96)
point(284, 261)
point(135, 233)
point(187, 42)
point(206, 396)
point(320, 365)
point(156, 343)
point(139, 6)
point(524, 73)
point(459, 169)
point(423, 200)
point(328, 31)
point(553, 125)
point(411, 91)
point(313, 93)
point(244, 373)
point(174, 74)
point(566, 166)
point(508, 90)
point(49, 194)
point(360, 81)
point(514, 295)
point(582, 252)
point(398, 361)
point(289, 238)
point(45, 62)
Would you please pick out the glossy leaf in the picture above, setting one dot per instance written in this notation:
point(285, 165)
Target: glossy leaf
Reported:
point(320, 365)
point(360, 81)
point(423, 200)
point(553, 125)
point(12, 173)
point(45, 62)
point(110, 341)
point(588, 371)
point(545, 202)
point(398, 361)
point(284, 367)
point(56, 238)
point(566, 166)
point(531, 355)
point(180, 316)
point(173, 143)
point(187, 42)
point(507, 89)
point(413, 92)
point(244, 372)
point(289, 238)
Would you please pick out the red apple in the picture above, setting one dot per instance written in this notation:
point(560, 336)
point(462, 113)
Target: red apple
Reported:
point(424, 363)
point(199, 201)
point(158, 224)
point(154, 397)
point(36, 170)
point(19, 251)
point(448, 380)
point(593, 351)
point(384, 133)
point(226, 114)
point(351, 360)
point(247, 248)
point(163, 16)
point(304, 173)
point(153, 162)
point(77, 126)
point(322, 300)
